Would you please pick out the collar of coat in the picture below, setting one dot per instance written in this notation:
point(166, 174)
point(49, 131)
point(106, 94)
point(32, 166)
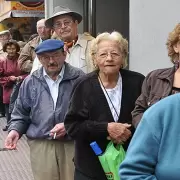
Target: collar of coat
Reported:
point(34, 42)
point(70, 72)
point(167, 73)
point(82, 39)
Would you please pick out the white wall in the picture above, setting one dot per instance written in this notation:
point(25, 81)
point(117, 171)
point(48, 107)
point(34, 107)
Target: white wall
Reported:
point(150, 23)
point(75, 5)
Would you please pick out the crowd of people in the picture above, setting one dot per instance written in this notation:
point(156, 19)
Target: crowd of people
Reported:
point(65, 90)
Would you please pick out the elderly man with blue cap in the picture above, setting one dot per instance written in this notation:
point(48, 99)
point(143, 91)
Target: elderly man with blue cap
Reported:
point(39, 112)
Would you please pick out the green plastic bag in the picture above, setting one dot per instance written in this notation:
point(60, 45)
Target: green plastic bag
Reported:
point(111, 160)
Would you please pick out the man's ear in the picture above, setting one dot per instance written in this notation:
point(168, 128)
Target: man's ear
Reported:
point(76, 22)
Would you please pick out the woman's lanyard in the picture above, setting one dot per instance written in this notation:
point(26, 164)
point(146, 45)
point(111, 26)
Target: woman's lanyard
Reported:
point(108, 96)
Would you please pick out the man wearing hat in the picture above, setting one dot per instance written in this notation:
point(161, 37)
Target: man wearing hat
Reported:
point(39, 112)
point(65, 24)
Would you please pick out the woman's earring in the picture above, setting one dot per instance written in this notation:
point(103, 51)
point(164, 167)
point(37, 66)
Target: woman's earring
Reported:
point(95, 66)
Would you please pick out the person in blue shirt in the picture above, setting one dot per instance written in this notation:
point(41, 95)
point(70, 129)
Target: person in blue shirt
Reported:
point(154, 151)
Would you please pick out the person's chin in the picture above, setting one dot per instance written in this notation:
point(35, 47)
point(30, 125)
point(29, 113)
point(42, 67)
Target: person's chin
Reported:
point(52, 68)
point(111, 69)
point(66, 35)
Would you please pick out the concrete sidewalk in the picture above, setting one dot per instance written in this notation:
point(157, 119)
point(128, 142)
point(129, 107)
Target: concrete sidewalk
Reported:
point(14, 165)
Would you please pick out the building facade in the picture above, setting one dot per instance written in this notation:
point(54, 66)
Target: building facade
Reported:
point(144, 23)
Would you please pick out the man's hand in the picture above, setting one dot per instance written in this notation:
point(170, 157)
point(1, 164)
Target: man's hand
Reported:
point(118, 132)
point(19, 78)
point(11, 140)
point(59, 129)
point(13, 78)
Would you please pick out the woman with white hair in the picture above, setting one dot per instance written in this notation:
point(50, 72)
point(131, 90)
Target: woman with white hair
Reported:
point(101, 104)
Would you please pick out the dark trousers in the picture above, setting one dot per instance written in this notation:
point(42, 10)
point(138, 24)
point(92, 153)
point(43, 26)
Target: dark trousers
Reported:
point(80, 176)
point(8, 115)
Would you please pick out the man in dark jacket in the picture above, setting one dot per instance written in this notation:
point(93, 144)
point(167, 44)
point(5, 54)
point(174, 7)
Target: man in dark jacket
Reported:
point(39, 112)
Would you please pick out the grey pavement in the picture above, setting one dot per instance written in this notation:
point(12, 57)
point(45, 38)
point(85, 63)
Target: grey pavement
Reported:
point(14, 165)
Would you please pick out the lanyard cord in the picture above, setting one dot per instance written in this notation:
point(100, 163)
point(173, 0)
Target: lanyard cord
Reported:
point(108, 96)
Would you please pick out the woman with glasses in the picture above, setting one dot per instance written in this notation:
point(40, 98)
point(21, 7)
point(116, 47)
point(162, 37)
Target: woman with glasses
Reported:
point(10, 73)
point(101, 104)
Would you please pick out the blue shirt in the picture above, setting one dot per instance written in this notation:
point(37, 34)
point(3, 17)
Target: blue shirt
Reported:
point(154, 152)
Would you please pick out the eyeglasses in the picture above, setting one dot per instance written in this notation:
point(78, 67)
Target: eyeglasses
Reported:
point(52, 56)
point(59, 24)
point(104, 55)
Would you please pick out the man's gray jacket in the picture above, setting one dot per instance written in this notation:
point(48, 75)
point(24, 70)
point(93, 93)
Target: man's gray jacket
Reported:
point(34, 112)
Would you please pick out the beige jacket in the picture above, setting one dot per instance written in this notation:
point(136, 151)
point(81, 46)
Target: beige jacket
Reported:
point(28, 55)
point(79, 54)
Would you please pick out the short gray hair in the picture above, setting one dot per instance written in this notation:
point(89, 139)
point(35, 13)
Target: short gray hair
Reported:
point(114, 36)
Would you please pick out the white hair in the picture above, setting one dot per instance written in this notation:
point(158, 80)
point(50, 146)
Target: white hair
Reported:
point(40, 22)
point(114, 36)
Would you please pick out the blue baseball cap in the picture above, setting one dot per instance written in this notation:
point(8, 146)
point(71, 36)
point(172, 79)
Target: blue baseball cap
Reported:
point(49, 46)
